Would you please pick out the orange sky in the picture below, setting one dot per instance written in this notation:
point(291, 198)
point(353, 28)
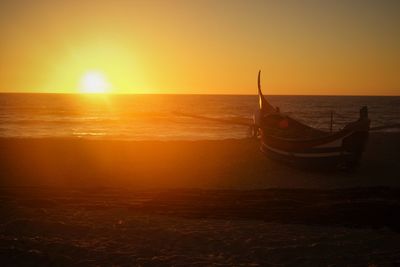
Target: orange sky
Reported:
point(207, 47)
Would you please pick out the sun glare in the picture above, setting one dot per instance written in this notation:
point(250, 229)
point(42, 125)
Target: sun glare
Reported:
point(94, 82)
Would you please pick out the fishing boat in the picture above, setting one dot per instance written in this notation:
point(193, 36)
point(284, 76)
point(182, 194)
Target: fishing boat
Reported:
point(286, 139)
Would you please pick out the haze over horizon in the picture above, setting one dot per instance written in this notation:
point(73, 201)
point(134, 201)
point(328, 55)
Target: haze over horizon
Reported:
point(200, 47)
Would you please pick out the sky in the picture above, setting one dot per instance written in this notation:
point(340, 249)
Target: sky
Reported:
point(201, 47)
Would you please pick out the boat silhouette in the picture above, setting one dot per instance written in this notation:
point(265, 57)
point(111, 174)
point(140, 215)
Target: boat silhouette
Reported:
point(284, 138)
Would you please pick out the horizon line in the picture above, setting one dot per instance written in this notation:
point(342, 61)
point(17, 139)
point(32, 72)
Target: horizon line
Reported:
point(216, 94)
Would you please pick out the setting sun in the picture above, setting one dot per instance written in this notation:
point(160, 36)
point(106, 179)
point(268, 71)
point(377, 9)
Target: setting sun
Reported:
point(94, 82)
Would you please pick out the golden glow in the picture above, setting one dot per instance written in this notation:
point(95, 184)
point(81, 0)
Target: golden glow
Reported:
point(94, 82)
point(204, 47)
point(109, 63)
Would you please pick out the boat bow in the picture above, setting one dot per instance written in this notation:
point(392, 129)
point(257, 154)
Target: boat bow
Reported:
point(264, 105)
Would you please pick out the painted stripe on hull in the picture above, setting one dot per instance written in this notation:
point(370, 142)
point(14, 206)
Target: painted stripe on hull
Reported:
point(339, 152)
point(306, 162)
point(329, 146)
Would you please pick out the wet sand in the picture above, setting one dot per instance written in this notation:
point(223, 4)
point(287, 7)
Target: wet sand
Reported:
point(227, 164)
point(201, 203)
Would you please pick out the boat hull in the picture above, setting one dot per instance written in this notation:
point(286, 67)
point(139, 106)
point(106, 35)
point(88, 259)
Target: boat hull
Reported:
point(287, 139)
point(343, 152)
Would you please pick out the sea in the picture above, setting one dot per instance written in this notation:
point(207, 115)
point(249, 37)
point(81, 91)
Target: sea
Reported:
point(174, 117)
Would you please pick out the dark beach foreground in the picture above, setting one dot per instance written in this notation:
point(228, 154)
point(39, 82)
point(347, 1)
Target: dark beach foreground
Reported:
point(200, 203)
point(193, 227)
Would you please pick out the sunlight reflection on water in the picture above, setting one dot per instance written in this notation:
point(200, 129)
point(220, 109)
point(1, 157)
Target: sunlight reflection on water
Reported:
point(156, 117)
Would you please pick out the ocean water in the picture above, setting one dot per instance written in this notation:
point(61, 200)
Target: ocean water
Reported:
point(172, 117)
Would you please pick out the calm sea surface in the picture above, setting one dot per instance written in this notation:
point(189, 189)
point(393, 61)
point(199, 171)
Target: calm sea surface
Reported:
point(159, 117)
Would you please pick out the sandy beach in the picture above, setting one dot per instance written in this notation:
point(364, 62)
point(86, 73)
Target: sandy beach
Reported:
point(193, 203)
point(120, 227)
